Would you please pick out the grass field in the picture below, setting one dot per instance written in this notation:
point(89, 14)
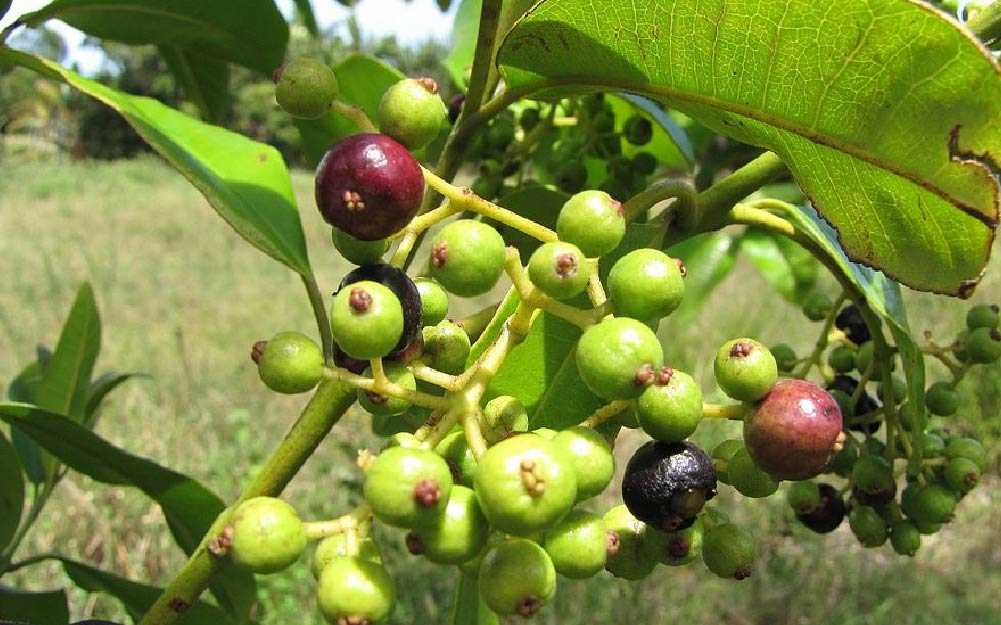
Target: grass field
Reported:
point(183, 298)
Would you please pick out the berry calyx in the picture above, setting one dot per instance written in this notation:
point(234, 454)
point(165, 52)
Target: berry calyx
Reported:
point(677, 548)
point(828, 515)
point(434, 301)
point(408, 487)
point(369, 186)
point(793, 431)
point(516, 577)
point(872, 480)
point(577, 545)
point(666, 484)
point(591, 458)
point(412, 112)
point(405, 291)
point(961, 474)
point(446, 347)
point(354, 591)
point(630, 556)
point(618, 357)
point(290, 362)
point(458, 535)
point(745, 369)
point(728, 551)
point(592, 221)
point(559, 270)
point(646, 284)
point(357, 251)
point(467, 257)
point(306, 87)
point(671, 408)
point(366, 320)
point(383, 405)
point(267, 535)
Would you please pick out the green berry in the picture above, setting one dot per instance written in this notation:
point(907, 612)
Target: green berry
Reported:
point(336, 546)
point(638, 130)
point(290, 362)
point(868, 526)
point(502, 416)
point(629, 555)
point(983, 316)
point(592, 221)
point(366, 319)
point(525, 484)
point(591, 458)
point(559, 270)
point(961, 474)
point(844, 401)
point(941, 399)
point(844, 461)
point(670, 411)
point(458, 536)
point(357, 251)
point(745, 369)
point(983, 345)
point(267, 535)
point(577, 545)
point(905, 538)
point(434, 301)
point(803, 497)
point(841, 359)
point(679, 547)
point(747, 478)
point(817, 306)
point(306, 88)
point(501, 133)
point(728, 551)
point(529, 119)
point(785, 357)
point(967, 448)
point(401, 424)
point(408, 487)
point(446, 347)
point(722, 454)
point(459, 457)
point(865, 358)
point(354, 590)
point(570, 177)
point(644, 164)
point(932, 445)
point(646, 284)
point(412, 112)
point(928, 504)
point(618, 357)
point(873, 474)
point(516, 577)
point(467, 257)
point(377, 404)
point(899, 389)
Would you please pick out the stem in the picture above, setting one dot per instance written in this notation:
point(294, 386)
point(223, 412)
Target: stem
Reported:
point(330, 401)
point(37, 503)
point(423, 372)
point(734, 412)
point(321, 529)
point(355, 114)
point(533, 297)
point(320, 313)
point(685, 206)
point(822, 341)
point(42, 557)
point(385, 387)
point(606, 412)
point(475, 324)
point(474, 435)
point(483, 55)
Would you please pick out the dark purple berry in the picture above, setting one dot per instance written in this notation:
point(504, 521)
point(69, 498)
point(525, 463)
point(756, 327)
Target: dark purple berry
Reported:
point(850, 321)
point(455, 106)
point(828, 515)
point(666, 484)
point(410, 298)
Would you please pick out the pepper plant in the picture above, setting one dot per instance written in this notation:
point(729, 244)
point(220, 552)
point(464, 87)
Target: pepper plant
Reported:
point(604, 150)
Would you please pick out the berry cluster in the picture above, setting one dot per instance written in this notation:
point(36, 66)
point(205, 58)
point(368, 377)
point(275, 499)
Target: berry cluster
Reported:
point(472, 482)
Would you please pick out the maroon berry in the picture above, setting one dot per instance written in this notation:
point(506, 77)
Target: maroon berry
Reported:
point(793, 432)
point(827, 516)
point(369, 186)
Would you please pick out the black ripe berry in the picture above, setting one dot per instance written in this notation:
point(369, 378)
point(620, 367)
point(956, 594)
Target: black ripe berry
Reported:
point(865, 404)
point(455, 106)
point(666, 484)
point(850, 321)
point(410, 298)
point(369, 186)
point(827, 516)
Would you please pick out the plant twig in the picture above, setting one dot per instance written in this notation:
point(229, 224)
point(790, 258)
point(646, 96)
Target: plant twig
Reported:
point(320, 313)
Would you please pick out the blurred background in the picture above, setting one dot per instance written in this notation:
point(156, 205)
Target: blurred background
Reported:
point(182, 299)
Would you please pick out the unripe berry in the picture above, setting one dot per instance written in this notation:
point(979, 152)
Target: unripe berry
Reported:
point(666, 484)
point(983, 316)
point(383, 405)
point(842, 359)
point(577, 545)
point(369, 186)
point(467, 257)
point(306, 88)
point(559, 270)
point(629, 556)
point(503, 416)
point(592, 221)
point(570, 177)
point(722, 454)
point(516, 577)
point(646, 284)
point(459, 535)
point(408, 487)
point(983, 345)
point(459, 457)
point(267, 535)
point(446, 347)
point(928, 504)
point(354, 590)
point(868, 526)
point(785, 357)
point(671, 408)
point(591, 458)
point(529, 119)
point(618, 357)
point(817, 306)
point(827, 516)
point(747, 478)
point(434, 301)
point(942, 399)
point(644, 164)
point(872, 480)
point(745, 369)
point(357, 251)
point(638, 130)
point(905, 538)
point(405, 291)
point(412, 112)
point(337, 546)
point(961, 474)
point(728, 551)
point(967, 448)
point(803, 497)
point(366, 320)
point(676, 548)
point(290, 362)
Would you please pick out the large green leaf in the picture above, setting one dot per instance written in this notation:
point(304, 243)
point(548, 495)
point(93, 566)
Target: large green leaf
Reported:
point(205, 80)
point(189, 507)
point(538, 203)
point(246, 182)
point(24, 389)
point(64, 385)
point(885, 111)
point(46, 607)
point(11, 491)
point(465, 28)
point(252, 33)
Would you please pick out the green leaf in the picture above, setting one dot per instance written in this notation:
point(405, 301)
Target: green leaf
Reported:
point(189, 507)
point(304, 9)
point(46, 607)
point(465, 29)
point(791, 276)
point(4, 7)
point(64, 385)
point(246, 182)
point(709, 258)
point(669, 142)
point(11, 491)
point(101, 388)
point(468, 608)
point(24, 389)
point(205, 80)
point(252, 33)
point(885, 111)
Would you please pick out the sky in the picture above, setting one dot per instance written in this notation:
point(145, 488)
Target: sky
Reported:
point(411, 22)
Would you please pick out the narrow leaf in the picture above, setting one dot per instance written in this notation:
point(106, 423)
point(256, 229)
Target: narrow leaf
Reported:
point(46, 607)
point(205, 80)
point(11, 491)
point(67, 375)
point(24, 389)
point(99, 389)
point(465, 29)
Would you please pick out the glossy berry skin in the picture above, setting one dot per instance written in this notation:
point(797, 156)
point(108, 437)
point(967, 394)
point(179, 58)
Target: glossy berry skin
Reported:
point(516, 577)
point(592, 221)
point(406, 292)
point(267, 535)
point(337, 546)
point(851, 322)
point(306, 88)
point(369, 186)
point(467, 257)
point(591, 458)
point(434, 301)
point(728, 551)
point(408, 487)
point(502, 416)
point(525, 484)
point(747, 478)
point(618, 357)
point(382, 405)
point(828, 515)
point(290, 362)
point(446, 347)
point(357, 251)
point(412, 112)
point(670, 410)
point(366, 320)
point(666, 484)
point(905, 538)
point(646, 284)
point(577, 545)
point(559, 270)
point(459, 535)
point(792, 432)
point(785, 357)
point(630, 556)
point(868, 526)
point(745, 369)
point(983, 316)
point(354, 590)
